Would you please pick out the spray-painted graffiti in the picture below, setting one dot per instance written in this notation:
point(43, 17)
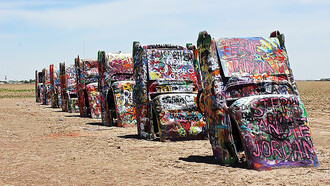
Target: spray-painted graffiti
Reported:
point(45, 90)
point(94, 100)
point(275, 130)
point(125, 110)
point(252, 56)
point(115, 83)
point(178, 117)
point(164, 93)
point(251, 104)
point(71, 81)
point(54, 86)
point(38, 86)
point(170, 64)
point(63, 86)
point(87, 88)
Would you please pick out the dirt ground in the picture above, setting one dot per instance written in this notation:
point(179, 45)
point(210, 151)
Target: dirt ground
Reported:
point(40, 145)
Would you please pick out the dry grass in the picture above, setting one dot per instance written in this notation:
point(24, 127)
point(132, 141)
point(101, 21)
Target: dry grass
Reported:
point(316, 97)
point(17, 90)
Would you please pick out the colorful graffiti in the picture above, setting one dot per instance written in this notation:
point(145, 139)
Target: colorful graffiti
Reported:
point(164, 93)
point(252, 56)
point(170, 64)
point(45, 90)
point(178, 116)
point(38, 86)
point(63, 86)
point(115, 85)
point(94, 100)
point(125, 110)
point(54, 86)
point(87, 88)
point(251, 105)
point(275, 131)
point(71, 85)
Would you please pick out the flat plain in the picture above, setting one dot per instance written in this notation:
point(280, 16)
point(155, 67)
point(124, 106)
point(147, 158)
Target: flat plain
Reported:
point(40, 145)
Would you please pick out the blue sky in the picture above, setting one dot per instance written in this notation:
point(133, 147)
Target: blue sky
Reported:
point(37, 33)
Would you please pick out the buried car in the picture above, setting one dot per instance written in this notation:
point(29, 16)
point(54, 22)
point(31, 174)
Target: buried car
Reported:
point(116, 89)
point(71, 81)
point(63, 89)
point(165, 92)
point(45, 89)
point(251, 103)
point(68, 81)
point(38, 85)
point(87, 88)
point(54, 86)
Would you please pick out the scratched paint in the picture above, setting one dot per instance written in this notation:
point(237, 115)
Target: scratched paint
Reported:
point(116, 74)
point(165, 93)
point(251, 103)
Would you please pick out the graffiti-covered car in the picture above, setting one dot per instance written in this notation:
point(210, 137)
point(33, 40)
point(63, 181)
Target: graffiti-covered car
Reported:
point(45, 89)
point(165, 92)
point(251, 103)
point(68, 81)
point(87, 88)
point(116, 89)
point(71, 81)
point(54, 86)
point(38, 85)
point(63, 85)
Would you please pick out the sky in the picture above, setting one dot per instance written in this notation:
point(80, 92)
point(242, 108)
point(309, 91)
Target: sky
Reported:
point(37, 33)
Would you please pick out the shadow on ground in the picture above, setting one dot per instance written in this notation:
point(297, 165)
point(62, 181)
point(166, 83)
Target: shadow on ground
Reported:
point(73, 116)
point(96, 123)
point(211, 160)
point(135, 136)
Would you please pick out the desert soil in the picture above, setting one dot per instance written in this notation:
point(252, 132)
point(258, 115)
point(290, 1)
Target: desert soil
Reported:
point(40, 145)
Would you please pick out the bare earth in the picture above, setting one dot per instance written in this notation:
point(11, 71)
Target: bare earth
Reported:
point(40, 145)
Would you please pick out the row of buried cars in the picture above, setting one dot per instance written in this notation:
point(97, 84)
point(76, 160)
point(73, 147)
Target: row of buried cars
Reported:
point(238, 92)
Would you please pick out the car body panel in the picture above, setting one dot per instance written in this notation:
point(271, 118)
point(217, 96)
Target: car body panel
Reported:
point(178, 116)
point(274, 131)
point(125, 108)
